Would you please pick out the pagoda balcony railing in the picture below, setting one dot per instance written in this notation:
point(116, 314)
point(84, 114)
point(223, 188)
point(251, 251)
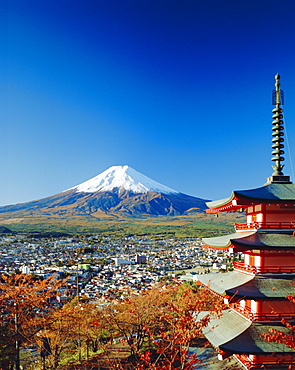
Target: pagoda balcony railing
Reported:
point(265, 226)
point(259, 270)
point(254, 316)
point(270, 364)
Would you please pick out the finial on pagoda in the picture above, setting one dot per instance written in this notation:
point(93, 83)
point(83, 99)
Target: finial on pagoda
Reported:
point(277, 129)
point(278, 136)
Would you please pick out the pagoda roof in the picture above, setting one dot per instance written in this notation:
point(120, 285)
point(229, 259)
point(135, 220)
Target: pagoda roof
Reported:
point(253, 240)
point(221, 282)
point(266, 240)
point(233, 333)
point(235, 283)
point(271, 193)
point(225, 241)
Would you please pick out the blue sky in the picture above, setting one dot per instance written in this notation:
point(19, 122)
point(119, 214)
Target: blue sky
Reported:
point(180, 90)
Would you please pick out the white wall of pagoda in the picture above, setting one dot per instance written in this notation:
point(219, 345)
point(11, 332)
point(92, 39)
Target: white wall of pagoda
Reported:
point(257, 261)
point(242, 303)
point(254, 306)
point(260, 217)
point(255, 214)
point(255, 217)
point(247, 259)
point(253, 260)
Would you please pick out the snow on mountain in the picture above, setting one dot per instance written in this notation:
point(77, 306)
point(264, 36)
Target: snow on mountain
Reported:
point(118, 190)
point(122, 177)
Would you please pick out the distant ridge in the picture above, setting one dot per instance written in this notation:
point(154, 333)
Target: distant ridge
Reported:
point(119, 189)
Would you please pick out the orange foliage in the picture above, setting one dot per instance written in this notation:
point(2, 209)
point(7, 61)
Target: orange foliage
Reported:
point(160, 324)
point(285, 338)
point(25, 307)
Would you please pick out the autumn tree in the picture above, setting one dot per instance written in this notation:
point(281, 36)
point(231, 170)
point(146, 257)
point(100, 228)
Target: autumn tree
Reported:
point(160, 324)
point(7, 347)
point(157, 325)
point(75, 327)
point(61, 330)
point(95, 329)
point(25, 305)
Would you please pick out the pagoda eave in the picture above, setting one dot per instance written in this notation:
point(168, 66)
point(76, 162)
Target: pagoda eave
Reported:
point(267, 194)
point(251, 240)
point(233, 333)
point(233, 205)
point(225, 242)
point(231, 248)
point(221, 283)
point(224, 248)
point(237, 284)
point(265, 241)
point(227, 208)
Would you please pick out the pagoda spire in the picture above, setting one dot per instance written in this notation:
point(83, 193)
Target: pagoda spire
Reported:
point(278, 128)
point(278, 135)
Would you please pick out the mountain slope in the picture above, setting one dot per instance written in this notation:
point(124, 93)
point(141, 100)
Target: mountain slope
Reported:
point(120, 189)
point(122, 177)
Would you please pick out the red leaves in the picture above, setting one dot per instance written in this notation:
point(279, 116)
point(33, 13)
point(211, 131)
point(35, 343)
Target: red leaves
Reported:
point(291, 298)
point(157, 326)
point(165, 320)
point(279, 337)
point(25, 299)
point(146, 356)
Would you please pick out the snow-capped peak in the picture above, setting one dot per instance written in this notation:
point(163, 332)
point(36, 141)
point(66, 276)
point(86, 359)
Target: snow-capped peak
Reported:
point(122, 177)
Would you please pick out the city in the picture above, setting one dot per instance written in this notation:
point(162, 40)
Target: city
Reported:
point(101, 267)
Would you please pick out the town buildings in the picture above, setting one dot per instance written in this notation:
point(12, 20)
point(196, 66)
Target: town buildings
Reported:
point(93, 264)
point(256, 290)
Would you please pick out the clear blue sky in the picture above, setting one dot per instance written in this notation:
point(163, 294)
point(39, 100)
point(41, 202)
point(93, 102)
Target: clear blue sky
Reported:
point(180, 90)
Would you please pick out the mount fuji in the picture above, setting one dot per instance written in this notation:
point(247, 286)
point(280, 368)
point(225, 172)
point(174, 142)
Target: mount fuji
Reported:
point(122, 178)
point(119, 189)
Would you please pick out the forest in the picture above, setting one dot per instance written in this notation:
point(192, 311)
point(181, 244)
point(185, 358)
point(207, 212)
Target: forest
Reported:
point(150, 330)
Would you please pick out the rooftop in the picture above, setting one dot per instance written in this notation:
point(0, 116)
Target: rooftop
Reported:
point(253, 240)
point(237, 284)
point(233, 333)
point(271, 193)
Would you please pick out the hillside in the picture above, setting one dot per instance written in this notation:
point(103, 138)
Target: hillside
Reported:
point(191, 225)
point(119, 189)
point(118, 201)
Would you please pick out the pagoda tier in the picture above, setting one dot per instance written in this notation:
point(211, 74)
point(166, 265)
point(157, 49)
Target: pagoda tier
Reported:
point(239, 285)
point(264, 252)
point(257, 292)
point(241, 200)
point(261, 240)
point(234, 334)
point(257, 298)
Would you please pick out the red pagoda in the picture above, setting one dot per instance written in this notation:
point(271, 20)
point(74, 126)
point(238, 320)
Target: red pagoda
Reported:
point(256, 289)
